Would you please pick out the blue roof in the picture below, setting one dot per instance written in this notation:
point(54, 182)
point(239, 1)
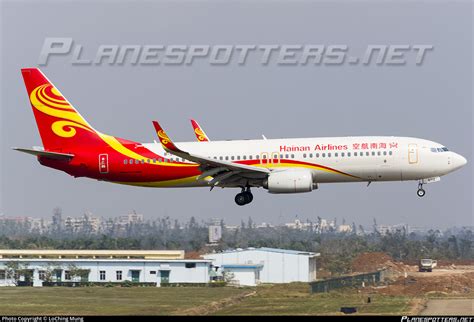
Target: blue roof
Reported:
point(273, 250)
point(286, 251)
point(243, 266)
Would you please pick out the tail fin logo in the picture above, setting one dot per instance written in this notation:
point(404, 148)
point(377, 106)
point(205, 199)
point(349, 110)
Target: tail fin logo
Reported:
point(200, 135)
point(163, 137)
point(48, 100)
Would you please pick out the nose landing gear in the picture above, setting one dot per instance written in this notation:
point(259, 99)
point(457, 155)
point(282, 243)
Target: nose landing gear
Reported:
point(420, 192)
point(245, 197)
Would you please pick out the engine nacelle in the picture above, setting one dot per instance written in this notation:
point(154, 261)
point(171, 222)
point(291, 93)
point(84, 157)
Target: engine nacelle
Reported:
point(290, 181)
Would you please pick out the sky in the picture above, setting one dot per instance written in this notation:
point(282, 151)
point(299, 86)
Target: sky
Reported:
point(432, 100)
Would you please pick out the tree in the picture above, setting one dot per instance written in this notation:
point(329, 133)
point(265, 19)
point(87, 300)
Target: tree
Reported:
point(228, 276)
point(76, 272)
point(15, 270)
point(48, 272)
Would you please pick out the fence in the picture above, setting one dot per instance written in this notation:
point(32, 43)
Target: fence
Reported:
point(347, 281)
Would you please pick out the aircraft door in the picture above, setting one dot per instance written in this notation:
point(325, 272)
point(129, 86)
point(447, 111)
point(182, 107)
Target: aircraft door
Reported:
point(412, 153)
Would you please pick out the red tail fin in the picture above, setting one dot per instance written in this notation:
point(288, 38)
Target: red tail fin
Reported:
point(60, 126)
point(199, 132)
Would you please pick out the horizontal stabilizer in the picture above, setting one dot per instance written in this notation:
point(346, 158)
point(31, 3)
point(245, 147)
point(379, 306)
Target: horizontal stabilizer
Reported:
point(47, 154)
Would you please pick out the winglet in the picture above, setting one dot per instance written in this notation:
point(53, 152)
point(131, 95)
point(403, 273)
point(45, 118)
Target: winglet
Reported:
point(199, 132)
point(164, 139)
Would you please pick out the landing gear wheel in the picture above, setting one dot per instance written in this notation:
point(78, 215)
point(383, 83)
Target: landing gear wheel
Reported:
point(249, 196)
point(241, 199)
point(420, 192)
point(245, 197)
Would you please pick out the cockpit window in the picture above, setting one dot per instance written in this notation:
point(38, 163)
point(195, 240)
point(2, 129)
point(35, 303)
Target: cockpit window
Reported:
point(442, 149)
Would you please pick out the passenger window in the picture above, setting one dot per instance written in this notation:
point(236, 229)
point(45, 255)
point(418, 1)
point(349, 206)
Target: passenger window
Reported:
point(227, 158)
point(390, 152)
point(238, 157)
point(329, 155)
point(137, 161)
point(342, 154)
point(257, 157)
point(355, 154)
point(292, 156)
point(250, 157)
point(373, 153)
point(324, 155)
point(348, 154)
point(378, 153)
point(335, 154)
point(310, 155)
point(317, 155)
point(125, 161)
point(244, 157)
point(232, 158)
point(384, 152)
point(287, 156)
point(367, 153)
point(220, 158)
point(304, 155)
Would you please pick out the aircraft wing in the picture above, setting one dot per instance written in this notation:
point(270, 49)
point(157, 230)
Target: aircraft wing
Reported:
point(221, 171)
point(47, 154)
point(199, 132)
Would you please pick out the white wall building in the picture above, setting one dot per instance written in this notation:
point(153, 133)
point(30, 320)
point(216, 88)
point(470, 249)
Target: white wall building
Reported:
point(243, 274)
point(103, 266)
point(266, 265)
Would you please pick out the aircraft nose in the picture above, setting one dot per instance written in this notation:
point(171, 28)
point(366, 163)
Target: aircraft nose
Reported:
point(458, 161)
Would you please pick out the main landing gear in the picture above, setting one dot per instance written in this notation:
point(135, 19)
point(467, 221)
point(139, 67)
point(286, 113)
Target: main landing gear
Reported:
point(420, 192)
point(245, 197)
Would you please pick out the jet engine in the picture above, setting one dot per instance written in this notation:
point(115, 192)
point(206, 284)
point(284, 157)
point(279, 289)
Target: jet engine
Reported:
point(290, 181)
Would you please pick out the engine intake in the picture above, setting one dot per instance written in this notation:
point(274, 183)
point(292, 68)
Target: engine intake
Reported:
point(290, 181)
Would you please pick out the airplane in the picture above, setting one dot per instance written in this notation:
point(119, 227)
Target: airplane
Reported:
point(288, 165)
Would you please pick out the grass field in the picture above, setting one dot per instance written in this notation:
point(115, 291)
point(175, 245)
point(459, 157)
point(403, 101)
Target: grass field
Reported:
point(107, 301)
point(267, 300)
point(294, 299)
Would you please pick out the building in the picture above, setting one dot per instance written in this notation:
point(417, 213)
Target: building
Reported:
point(132, 218)
point(34, 267)
point(344, 229)
point(252, 266)
point(243, 274)
point(215, 234)
point(87, 223)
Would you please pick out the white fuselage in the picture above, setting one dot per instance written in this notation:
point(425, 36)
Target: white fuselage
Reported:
point(334, 159)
